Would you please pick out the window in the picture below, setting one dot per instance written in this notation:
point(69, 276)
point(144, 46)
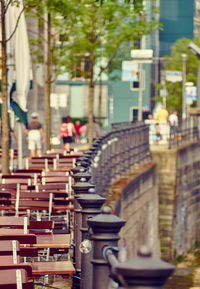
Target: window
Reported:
point(134, 114)
point(135, 85)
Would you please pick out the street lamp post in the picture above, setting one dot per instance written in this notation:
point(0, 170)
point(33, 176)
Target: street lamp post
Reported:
point(196, 51)
point(184, 113)
point(198, 84)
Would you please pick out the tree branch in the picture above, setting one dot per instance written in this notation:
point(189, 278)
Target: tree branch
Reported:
point(18, 19)
point(102, 69)
point(16, 25)
point(7, 5)
point(58, 70)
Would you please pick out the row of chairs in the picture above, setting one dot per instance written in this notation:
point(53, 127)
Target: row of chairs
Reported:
point(36, 207)
point(21, 247)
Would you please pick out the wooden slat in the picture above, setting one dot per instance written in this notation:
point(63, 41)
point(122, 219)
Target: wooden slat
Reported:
point(58, 241)
point(12, 221)
point(22, 238)
point(8, 279)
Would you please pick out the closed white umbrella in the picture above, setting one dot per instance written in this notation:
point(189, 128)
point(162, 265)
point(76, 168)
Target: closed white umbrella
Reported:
point(22, 59)
point(22, 64)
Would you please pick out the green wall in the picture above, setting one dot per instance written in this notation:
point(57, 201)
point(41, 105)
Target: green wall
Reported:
point(124, 98)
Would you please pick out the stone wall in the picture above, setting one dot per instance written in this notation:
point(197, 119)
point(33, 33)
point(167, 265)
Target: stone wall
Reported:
point(138, 205)
point(179, 198)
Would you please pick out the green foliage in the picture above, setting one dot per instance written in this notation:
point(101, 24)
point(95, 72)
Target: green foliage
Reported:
point(174, 62)
point(101, 29)
point(179, 259)
point(163, 248)
point(197, 244)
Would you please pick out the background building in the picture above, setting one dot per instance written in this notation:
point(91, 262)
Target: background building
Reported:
point(197, 18)
point(177, 18)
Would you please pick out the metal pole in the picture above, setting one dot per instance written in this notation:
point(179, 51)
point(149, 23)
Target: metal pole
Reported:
point(184, 59)
point(79, 188)
point(198, 86)
point(19, 145)
point(90, 205)
point(105, 228)
point(140, 92)
point(164, 91)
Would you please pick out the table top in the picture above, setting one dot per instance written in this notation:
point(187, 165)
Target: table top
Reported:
point(39, 268)
point(52, 268)
point(57, 241)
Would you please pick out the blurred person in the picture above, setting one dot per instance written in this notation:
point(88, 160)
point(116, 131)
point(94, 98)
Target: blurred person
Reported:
point(35, 136)
point(66, 132)
point(162, 115)
point(146, 113)
point(96, 130)
point(173, 122)
point(82, 130)
point(77, 127)
point(162, 119)
point(152, 132)
point(158, 136)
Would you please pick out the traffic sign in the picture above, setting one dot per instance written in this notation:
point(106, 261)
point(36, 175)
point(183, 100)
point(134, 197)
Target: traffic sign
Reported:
point(142, 55)
point(129, 71)
point(191, 92)
point(173, 76)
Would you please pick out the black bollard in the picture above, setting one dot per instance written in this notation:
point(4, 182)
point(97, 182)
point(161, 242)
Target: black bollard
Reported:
point(143, 272)
point(90, 204)
point(84, 159)
point(81, 174)
point(79, 188)
point(78, 167)
point(105, 228)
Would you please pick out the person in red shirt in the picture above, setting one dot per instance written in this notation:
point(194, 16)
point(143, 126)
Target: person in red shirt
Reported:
point(77, 131)
point(66, 132)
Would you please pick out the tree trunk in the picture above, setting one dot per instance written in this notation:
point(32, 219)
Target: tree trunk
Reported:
point(48, 84)
point(100, 101)
point(91, 101)
point(4, 95)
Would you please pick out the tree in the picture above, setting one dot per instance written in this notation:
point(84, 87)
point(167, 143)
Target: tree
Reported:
point(99, 30)
point(174, 62)
point(4, 93)
point(5, 5)
point(47, 12)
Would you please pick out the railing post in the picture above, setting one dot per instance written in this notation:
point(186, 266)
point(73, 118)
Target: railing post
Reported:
point(90, 204)
point(105, 228)
point(81, 174)
point(78, 167)
point(81, 187)
point(143, 272)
